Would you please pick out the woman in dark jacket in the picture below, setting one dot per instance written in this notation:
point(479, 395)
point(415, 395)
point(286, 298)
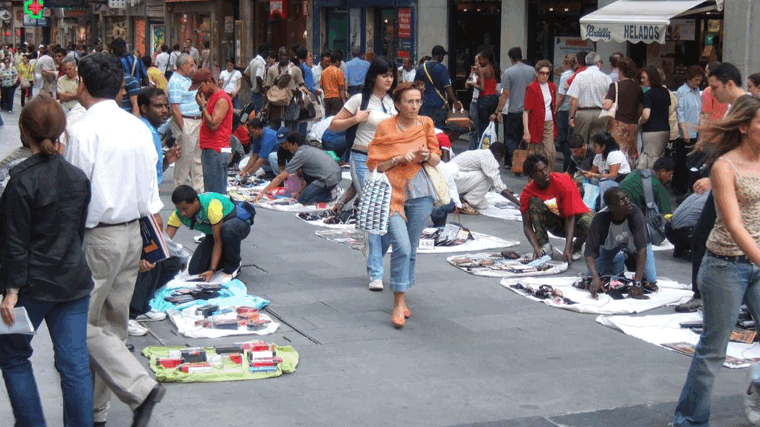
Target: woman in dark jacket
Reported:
point(42, 267)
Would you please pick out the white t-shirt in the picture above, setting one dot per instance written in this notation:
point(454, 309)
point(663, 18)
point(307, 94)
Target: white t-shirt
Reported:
point(614, 158)
point(162, 61)
point(379, 110)
point(407, 76)
point(547, 101)
point(229, 80)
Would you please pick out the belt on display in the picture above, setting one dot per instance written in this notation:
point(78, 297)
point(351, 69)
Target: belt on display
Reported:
point(741, 259)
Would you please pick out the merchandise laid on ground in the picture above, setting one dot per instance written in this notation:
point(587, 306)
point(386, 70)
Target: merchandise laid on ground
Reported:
point(501, 208)
point(276, 200)
point(680, 333)
point(507, 264)
point(344, 220)
point(252, 360)
point(451, 238)
point(618, 297)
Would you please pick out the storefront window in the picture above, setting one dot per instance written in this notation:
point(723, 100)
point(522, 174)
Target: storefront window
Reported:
point(387, 34)
point(477, 28)
point(195, 27)
point(549, 20)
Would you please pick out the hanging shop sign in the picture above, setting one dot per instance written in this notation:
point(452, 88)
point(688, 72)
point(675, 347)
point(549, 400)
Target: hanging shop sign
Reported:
point(277, 8)
point(305, 7)
point(405, 23)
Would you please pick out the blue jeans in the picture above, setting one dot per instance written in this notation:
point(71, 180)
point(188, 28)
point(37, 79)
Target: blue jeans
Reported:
point(375, 250)
point(723, 285)
point(612, 262)
point(563, 126)
point(315, 193)
point(215, 170)
point(513, 133)
point(258, 101)
point(335, 142)
point(404, 236)
point(474, 133)
point(67, 324)
point(439, 214)
point(272, 162)
point(234, 231)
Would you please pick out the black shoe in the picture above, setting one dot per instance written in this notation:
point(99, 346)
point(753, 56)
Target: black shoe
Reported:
point(142, 413)
point(99, 424)
point(689, 306)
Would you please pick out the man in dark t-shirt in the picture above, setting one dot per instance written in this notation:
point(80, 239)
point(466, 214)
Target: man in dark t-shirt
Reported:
point(618, 238)
point(582, 157)
point(438, 89)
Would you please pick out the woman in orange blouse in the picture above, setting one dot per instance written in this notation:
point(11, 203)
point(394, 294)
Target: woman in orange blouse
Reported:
point(402, 144)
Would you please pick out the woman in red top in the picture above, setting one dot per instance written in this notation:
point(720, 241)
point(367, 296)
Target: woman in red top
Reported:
point(488, 100)
point(539, 119)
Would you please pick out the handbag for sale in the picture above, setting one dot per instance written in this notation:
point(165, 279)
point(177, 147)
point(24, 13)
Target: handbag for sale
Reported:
point(375, 205)
point(613, 109)
point(459, 118)
point(437, 179)
point(518, 158)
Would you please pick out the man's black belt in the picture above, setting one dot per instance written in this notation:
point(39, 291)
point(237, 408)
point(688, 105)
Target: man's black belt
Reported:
point(740, 259)
point(103, 224)
point(588, 108)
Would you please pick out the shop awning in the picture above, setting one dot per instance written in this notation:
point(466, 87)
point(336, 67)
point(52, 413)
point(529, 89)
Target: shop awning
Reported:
point(638, 21)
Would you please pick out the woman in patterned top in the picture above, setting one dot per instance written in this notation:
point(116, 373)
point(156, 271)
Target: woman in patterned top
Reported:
point(9, 78)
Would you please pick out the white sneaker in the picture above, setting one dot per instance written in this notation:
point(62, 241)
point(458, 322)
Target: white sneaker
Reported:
point(376, 285)
point(151, 316)
point(752, 404)
point(135, 329)
point(199, 237)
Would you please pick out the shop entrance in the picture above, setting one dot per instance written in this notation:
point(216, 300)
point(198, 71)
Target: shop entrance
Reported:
point(476, 27)
point(337, 31)
point(548, 20)
point(385, 44)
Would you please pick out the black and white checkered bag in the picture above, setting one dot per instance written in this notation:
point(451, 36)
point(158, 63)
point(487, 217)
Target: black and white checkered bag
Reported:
point(375, 205)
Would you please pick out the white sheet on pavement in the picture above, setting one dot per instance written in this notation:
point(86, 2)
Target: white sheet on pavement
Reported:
point(670, 293)
point(501, 208)
point(355, 240)
point(665, 329)
point(185, 320)
point(500, 265)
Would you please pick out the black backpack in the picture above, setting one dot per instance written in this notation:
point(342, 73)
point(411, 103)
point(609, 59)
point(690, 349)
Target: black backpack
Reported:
point(351, 132)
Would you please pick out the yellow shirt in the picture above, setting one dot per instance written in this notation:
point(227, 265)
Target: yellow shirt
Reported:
point(157, 78)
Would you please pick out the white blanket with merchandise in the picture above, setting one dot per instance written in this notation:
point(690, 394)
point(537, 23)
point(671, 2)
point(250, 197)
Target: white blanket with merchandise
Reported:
point(495, 265)
point(665, 331)
point(185, 321)
point(669, 293)
point(501, 208)
point(355, 240)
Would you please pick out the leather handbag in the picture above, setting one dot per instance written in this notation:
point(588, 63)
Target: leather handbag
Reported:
point(459, 118)
point(280, 95)
point(307, 106)
point(518, 158)
point(613, 109)
point(437, 179)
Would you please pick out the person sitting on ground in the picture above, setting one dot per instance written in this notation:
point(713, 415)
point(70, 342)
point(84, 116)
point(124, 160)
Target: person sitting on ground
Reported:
point(610, 166)
point(618, 238)
point(581, 159)
point(552, 202)
point(320, 170)
point(225, 225)
point(264, 143)
point(478, 172)
point(661, 173)
point(680, 228)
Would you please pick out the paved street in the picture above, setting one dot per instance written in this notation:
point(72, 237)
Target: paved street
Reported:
point(473, 354)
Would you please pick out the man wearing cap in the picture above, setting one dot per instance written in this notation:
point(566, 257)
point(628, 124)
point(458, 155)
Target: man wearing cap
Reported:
point(437, 88)
point(216, 107)
point(186, 124)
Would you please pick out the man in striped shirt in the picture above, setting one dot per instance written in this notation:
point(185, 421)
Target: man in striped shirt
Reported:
point(186, 124)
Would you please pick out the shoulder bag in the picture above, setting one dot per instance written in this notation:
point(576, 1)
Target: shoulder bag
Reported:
point(351, 132)
point(441, 194)
point(518, 158)
point(280, 95)
point(613, 109)
point(654, 219)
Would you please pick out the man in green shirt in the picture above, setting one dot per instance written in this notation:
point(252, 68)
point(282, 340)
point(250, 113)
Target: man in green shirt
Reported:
point(662, 173)
point(224, 223)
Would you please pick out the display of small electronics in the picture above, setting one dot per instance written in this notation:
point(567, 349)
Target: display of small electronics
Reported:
point(192, 368)
point(211, 286)
point(255, 325)
point(258, 356)
point(230, 324)
point(206, 310)
point(179, 299)
point(193, 355)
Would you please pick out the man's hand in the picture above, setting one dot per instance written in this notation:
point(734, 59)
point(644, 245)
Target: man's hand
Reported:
point(173, 154)
point(595, 287)
point(361, 116)
point(146, 266)
point(6, 308)
point(201, 100)
point(206, 275)
point(258, 197)
point(702, 186)
point(242, 175)
point(537, 252)
point(409, 156)
point(568, 255)
point(572, 122)
point(458, 105)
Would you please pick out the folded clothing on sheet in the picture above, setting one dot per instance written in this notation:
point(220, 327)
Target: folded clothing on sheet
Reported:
point(252, 360)
point(669, 292)
point(506, 264)
point(665, 331)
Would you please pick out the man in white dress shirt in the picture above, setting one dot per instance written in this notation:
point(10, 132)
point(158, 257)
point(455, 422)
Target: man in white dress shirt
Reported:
point(116, 152)
point(587, 93)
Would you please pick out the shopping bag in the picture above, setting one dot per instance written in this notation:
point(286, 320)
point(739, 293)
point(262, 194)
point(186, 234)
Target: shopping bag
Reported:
point(489, 136)
point(375, 204)
point(442, 194)
point(590, 195)
point(518, 158)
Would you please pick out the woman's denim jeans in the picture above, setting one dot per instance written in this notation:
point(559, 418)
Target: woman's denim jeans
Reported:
point(404, 236)
point(723, 285)
point(375, 251)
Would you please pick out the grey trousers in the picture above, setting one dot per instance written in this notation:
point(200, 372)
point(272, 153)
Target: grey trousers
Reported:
point(113, 255)
point(588, 124)
point(188, 169)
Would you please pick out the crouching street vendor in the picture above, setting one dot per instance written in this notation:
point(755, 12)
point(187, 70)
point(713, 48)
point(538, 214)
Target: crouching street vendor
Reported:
point(552, 202)
point(619, 238)
point(224, 223)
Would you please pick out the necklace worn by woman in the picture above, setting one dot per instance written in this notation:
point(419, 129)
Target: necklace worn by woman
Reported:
point(398, 125)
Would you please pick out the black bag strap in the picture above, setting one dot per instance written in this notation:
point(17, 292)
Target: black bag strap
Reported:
point(351, 132)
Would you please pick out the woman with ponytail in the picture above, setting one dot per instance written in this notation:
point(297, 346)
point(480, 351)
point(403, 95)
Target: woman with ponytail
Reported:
point(42, 267)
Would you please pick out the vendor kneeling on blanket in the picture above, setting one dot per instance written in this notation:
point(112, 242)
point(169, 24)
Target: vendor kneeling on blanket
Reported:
point(619, 238)
point(321, 172)
point(552, 202)
point(224, 223)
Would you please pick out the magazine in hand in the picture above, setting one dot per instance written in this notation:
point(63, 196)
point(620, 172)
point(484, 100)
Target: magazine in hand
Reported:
point(154, 245)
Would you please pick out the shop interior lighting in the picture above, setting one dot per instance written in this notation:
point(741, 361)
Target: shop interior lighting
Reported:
point(478, 10)
point(567, 9)
point(551, 9)
point(465, 9)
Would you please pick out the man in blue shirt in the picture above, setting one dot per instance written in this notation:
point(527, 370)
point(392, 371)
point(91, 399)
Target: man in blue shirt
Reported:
point(186, 124)
point(264, 143)
point(308, 76)
point(356, 71)
point(131, 64)
point(437, 87)
point(131, 89)
point(154, 111)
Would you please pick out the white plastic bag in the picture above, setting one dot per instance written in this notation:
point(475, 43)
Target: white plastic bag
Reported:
point(489, 136)
point(375, 204)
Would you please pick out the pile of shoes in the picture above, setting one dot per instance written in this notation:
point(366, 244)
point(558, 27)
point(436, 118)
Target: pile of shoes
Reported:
point(617, 286)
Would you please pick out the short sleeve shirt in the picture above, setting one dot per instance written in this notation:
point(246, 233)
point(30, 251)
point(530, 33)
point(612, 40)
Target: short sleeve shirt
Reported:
point(229, 80)
point(179, 94)
point(561, 90)
point(308, 77)
point(67, 85)
point(266, 143)
point(132, 86)
point(614, 158)
point(316, 165)
point(658, 100)
point(563, 189)
point(379, 110)
point(629, 98)
point(439, 75)
point(331, 80)
point(630, 235)
point(633, 185)
point(516, 79)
